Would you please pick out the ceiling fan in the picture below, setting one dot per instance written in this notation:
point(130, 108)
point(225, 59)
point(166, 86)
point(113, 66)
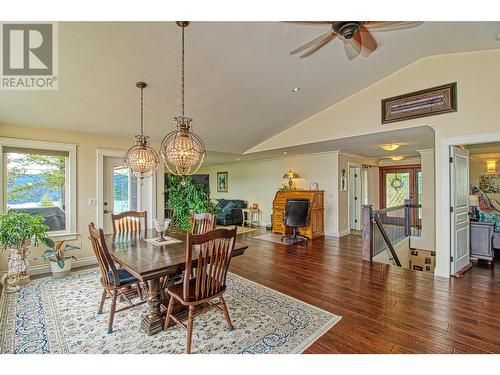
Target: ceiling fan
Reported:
point(356, 35)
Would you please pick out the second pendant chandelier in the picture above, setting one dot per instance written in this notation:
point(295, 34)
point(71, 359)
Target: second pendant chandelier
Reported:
point(182, 150)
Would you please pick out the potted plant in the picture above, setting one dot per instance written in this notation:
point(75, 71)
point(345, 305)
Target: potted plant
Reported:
point(60, 263)
point(18, 231)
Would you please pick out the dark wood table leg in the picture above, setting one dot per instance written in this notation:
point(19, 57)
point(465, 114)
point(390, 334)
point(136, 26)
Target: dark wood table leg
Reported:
point(153, 321)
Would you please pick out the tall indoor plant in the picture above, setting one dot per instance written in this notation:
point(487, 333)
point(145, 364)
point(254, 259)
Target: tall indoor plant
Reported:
point(186, 198)
point(18, 231)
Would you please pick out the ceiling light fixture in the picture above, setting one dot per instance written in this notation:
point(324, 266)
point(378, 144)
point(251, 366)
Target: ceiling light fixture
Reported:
point(296, 89)
point(182, 150)
point(390, 146)
point(141, 158)
point(397, 157)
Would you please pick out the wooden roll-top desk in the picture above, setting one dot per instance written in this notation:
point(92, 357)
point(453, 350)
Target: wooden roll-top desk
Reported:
point(315, 225)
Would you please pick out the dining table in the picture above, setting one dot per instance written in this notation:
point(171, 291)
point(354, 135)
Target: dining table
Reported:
point(154, 263)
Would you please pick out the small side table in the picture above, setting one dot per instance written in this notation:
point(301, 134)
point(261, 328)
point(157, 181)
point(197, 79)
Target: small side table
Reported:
point(251, 216)
point(481, 240)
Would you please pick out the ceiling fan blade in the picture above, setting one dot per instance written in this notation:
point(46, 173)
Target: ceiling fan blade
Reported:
point(312, 42)
point(319, 45)
point(367, 40)
point(390, 25)
point(352, 49)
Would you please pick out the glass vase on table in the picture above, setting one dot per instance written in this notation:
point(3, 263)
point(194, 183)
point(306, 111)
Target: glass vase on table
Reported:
point(161, 226)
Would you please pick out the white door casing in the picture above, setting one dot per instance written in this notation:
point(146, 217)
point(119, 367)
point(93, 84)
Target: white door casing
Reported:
point(147, 194)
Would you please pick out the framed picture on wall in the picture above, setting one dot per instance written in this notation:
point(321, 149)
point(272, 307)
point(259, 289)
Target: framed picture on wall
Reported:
point(222, 185)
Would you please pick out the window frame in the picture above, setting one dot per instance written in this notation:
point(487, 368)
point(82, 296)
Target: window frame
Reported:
point(70, 185)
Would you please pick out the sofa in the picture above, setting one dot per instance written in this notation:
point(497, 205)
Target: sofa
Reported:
point(230, 211)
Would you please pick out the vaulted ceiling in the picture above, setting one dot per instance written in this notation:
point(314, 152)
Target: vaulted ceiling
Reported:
point(239, 76)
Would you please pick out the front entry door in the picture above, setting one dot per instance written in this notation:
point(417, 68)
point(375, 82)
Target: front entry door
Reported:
point(459, 209)
point(120, 190)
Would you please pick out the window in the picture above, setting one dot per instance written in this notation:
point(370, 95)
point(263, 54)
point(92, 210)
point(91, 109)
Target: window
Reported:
point(38, 178)
point(124, 190)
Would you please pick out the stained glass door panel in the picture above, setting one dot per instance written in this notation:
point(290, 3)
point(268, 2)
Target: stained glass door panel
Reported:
point(397, 188)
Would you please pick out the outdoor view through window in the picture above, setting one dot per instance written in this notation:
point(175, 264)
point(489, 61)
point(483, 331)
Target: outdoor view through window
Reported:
point(36, 184)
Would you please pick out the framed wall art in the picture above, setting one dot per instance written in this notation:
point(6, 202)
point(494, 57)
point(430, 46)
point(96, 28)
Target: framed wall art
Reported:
point(222, 183)
point(428, 102)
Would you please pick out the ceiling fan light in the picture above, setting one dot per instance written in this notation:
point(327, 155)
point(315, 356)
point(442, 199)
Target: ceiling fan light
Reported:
point(390, 146)
point(397, 157)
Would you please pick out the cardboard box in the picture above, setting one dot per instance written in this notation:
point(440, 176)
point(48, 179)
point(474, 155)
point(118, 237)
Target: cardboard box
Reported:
point(422, 260)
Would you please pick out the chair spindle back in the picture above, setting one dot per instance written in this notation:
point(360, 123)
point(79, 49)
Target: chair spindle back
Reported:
point(202, 223)
point(210, 253)
point(129, 221)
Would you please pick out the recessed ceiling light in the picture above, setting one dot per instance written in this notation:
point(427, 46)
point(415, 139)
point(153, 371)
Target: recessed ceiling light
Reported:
point(284, 152)
point(238, 159)
point(296, 89)
point(390, 146)
point(397, 157)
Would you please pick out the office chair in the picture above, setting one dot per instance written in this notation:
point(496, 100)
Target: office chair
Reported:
point(296, 216)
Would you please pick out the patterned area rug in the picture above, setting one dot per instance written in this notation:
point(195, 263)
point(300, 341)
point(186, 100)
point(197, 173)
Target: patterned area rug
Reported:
point(59, 316)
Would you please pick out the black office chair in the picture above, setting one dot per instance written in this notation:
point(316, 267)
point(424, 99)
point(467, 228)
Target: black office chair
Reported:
point(296, 216)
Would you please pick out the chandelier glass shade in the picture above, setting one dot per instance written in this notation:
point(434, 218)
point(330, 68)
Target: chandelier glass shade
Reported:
point(182, 150)
point(141, 158)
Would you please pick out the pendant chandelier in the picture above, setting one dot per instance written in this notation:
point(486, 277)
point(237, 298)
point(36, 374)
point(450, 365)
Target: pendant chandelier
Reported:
point(141, 158)
point(182, 150)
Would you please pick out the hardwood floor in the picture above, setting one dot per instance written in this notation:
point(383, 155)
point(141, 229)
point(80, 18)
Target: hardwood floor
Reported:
point(385, 309)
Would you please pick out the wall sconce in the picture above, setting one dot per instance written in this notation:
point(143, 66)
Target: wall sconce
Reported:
point(290, 174)
point(491, 166)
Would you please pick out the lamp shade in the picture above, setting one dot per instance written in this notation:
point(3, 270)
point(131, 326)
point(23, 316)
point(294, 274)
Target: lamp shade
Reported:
point(290, 174)
point(473, 200)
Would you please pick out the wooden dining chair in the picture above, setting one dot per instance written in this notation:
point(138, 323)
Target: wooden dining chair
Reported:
point(116, 282)
point(207, 260)
point(129, 221)
point(202, 223)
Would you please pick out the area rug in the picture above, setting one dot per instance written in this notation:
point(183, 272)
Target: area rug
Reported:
point(240, 229)
point(59, 316)
point(273, 237)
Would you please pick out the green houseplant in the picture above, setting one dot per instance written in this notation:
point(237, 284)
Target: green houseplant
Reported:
point(60, 262)
point(186, 198)
point(18, 231)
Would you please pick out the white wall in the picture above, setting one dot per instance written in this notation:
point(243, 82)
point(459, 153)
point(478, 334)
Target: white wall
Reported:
point(342, 212)
point(427, 240)
point(258, 181)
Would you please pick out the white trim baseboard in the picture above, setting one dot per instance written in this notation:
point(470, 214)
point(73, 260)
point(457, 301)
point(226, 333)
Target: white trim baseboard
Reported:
point(338, 234)
point(45, 268)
